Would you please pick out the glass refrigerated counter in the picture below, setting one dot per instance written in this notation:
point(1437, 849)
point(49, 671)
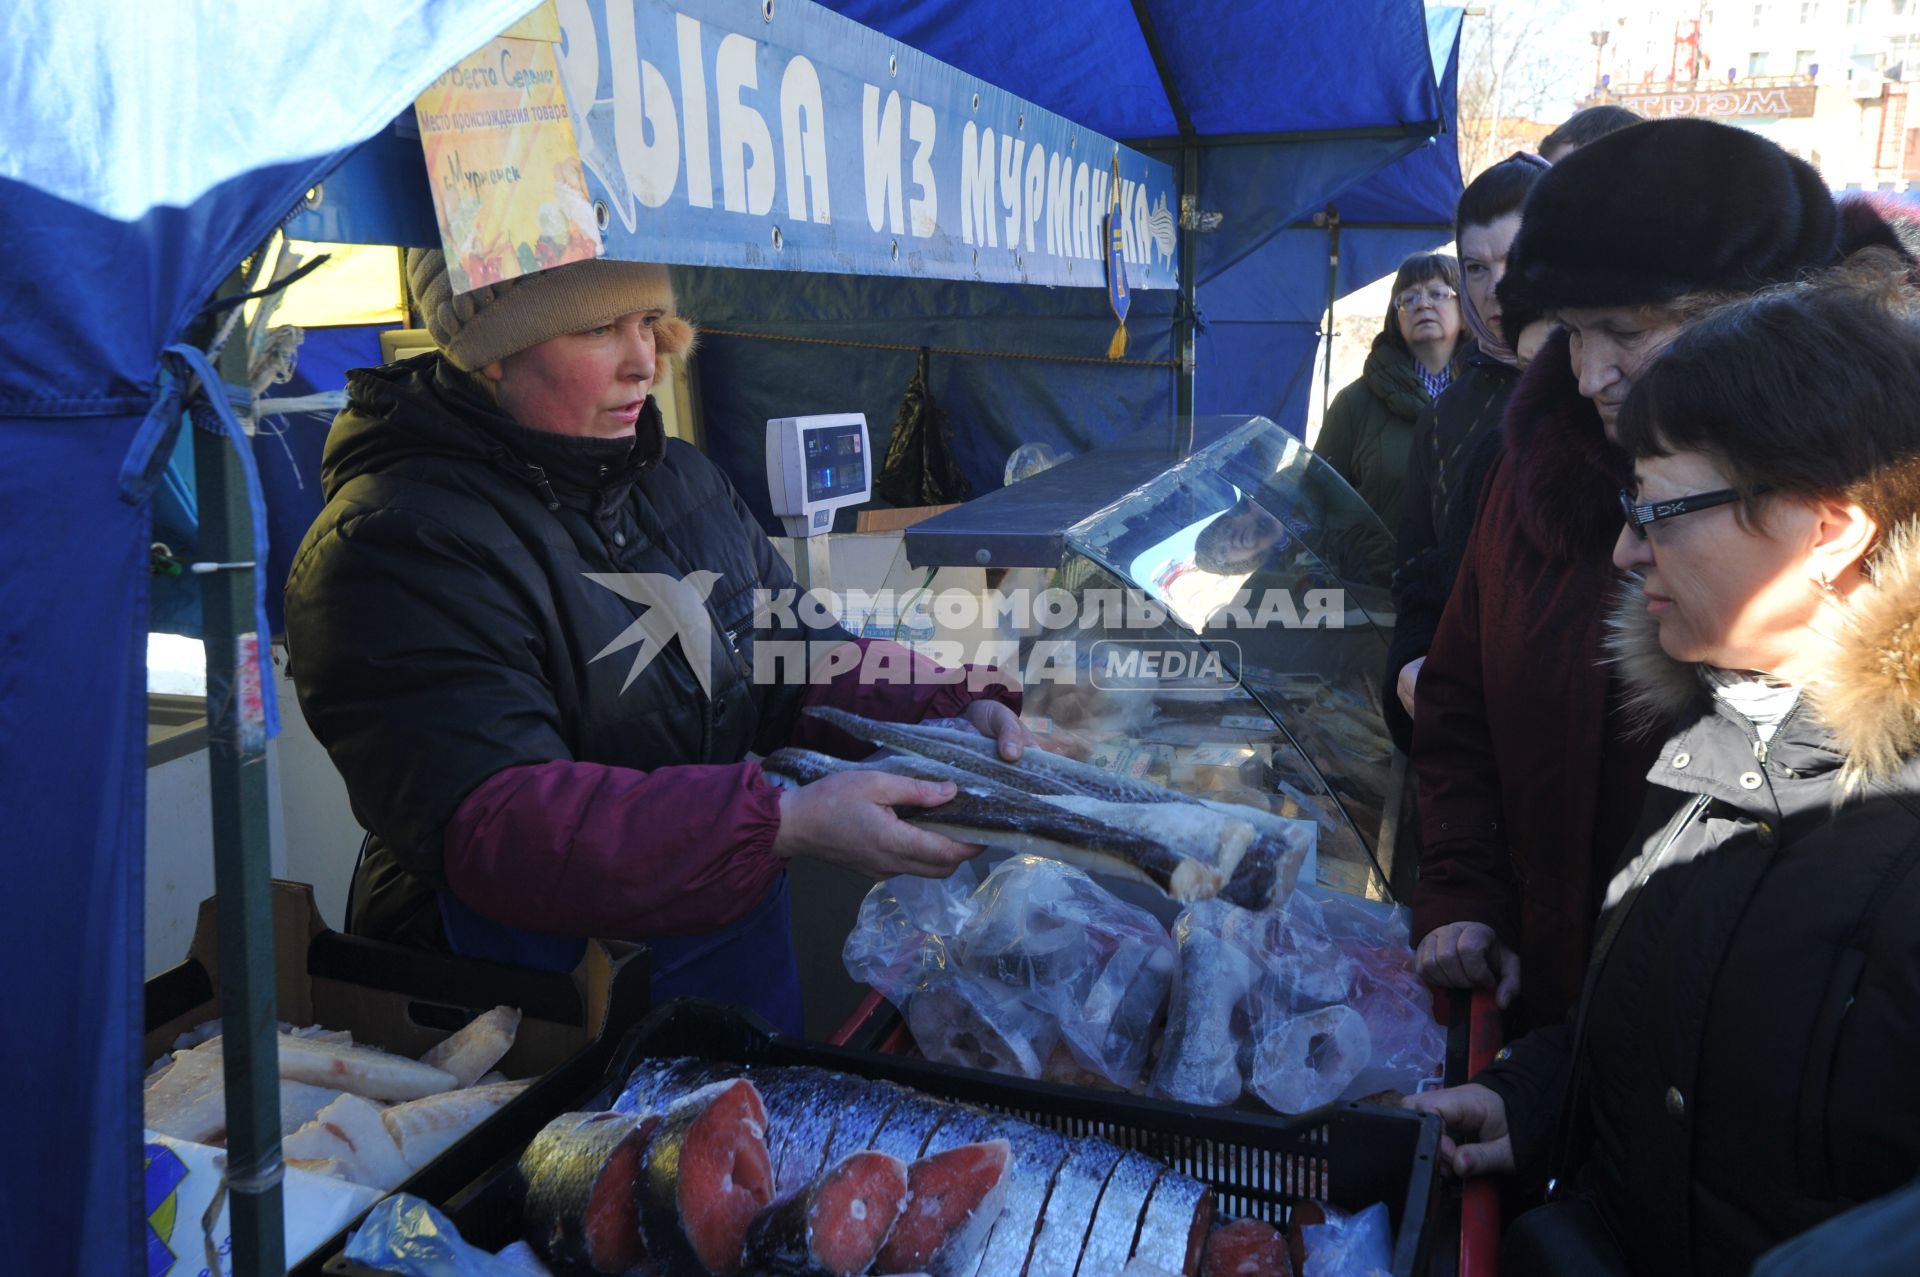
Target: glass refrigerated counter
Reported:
point(1205, 606)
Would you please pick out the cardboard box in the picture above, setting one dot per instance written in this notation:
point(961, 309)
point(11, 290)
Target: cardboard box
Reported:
point(405, 1001)
point(894, 520)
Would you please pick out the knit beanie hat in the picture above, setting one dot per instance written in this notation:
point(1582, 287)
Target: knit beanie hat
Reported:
point(1663, 209)
point(496, 320)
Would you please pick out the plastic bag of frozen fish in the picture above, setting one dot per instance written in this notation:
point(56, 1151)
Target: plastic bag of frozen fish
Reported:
point(889, 948)
point(1301, 1008)
point(1101, 967)
point(1039, 972)
point(1208, 1027)
point(958, 1018)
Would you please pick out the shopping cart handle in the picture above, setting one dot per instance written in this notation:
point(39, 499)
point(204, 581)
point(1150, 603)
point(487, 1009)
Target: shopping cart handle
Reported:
point(1480, 1196)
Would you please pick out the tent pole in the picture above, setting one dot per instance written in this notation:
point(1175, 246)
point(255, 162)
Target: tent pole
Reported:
point(242, 867)
point(1183, 324)
point(1333, 296)
point(1189, 256)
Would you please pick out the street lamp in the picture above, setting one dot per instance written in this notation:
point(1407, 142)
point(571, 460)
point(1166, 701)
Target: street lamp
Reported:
point(1599, 43)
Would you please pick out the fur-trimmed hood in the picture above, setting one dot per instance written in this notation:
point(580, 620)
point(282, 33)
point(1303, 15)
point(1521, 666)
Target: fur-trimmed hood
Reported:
point(1869, 700)
point(1568, 475)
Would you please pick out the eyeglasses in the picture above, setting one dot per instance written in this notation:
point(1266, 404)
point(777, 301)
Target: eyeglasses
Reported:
point(1641, 516)
point(1431, 296)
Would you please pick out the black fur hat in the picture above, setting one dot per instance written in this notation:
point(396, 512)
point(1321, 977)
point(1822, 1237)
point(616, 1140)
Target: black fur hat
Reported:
point(1663, 209)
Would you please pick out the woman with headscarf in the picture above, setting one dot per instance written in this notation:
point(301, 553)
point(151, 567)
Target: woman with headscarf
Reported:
point(1528, 781)
point(1368, 428)
point(1742, 1064)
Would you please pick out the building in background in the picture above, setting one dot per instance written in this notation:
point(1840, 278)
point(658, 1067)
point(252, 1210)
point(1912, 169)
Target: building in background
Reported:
point(1827, 80)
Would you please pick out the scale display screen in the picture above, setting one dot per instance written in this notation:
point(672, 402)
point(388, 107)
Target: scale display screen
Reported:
point(816, 465)
point(835, 466)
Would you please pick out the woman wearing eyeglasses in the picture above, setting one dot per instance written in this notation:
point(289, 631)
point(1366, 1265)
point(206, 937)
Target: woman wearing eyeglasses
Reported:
point(1529, 782)
point(1367, 432)
point(1742, 1065)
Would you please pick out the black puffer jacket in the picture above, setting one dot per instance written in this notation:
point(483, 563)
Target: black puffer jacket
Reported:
point(464, 543)
point(1455, 443)
point(1368, 428)
point(1745, 1067)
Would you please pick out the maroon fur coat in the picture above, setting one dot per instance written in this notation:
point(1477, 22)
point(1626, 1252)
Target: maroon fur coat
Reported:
point(1530, 779)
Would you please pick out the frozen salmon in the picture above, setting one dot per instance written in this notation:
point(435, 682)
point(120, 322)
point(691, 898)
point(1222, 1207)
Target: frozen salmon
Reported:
point(1116, 1218)
point(705, 1175)
point(834, 1228)
point(954, 1199)
point(577, 1185)
point(1246, 1248)
point(1067, 1216)
point(1174, 1227)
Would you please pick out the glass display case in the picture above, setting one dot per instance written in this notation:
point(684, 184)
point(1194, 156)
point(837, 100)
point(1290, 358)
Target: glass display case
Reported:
point(1206, 607)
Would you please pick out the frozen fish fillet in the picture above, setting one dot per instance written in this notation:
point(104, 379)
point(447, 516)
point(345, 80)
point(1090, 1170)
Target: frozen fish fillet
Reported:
point(189, 1100)
point(424, 1129)
point(357, 1070)
point(477, 1047)
point(353, 1132)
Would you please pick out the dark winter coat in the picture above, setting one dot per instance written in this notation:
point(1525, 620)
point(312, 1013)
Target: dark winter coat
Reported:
point(1368, 428)
point(1456, 440)
point(505, 729)
point(1751, 1034)
point(1529, 782)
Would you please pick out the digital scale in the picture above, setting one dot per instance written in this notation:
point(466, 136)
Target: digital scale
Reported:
point(816, 465)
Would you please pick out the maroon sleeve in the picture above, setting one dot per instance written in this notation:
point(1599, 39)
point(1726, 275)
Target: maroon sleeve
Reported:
point(1466, 874)
point(894, 683)
point(583, 849)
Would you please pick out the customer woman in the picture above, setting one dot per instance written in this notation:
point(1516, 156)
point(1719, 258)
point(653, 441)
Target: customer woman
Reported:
point(1528, 784)
point(1368, 428)
point(1450, 453)
point(1743, 1063)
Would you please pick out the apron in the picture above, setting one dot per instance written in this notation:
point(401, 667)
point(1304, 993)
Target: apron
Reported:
point(748, 964)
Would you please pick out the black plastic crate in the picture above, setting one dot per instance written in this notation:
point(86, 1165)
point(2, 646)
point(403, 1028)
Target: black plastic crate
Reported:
point(1348, 1155)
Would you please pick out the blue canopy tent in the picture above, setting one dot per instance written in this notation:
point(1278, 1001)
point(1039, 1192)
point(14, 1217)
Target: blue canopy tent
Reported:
point(148, 151)
point(1278, 109)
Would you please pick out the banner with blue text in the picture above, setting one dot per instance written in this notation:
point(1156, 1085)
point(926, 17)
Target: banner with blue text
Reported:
point(780, 135)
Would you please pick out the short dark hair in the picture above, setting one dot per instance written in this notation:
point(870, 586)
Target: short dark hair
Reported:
point(1582, 127)
point(1418, 269)
point(1499, 190)
point(1805, 390)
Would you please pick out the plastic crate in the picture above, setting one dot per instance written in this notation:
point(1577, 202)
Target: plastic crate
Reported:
point(1348, 1155)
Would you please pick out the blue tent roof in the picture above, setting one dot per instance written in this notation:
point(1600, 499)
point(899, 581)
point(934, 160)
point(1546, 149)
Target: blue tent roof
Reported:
point(149, 147)
point(1237, 69)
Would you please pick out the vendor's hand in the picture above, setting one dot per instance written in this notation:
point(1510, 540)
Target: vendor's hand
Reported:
point(991, 718)
point(847, 819)
point(1476, 1140)
point(1409, 675)
point(1467, 955)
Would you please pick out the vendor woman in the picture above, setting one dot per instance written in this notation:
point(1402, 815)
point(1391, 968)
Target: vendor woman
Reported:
point(465, 620)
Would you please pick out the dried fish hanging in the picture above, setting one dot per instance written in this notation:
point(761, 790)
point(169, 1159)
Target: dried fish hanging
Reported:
point(920, 468)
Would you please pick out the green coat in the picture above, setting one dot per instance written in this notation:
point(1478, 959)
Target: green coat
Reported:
point(1367, 432)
